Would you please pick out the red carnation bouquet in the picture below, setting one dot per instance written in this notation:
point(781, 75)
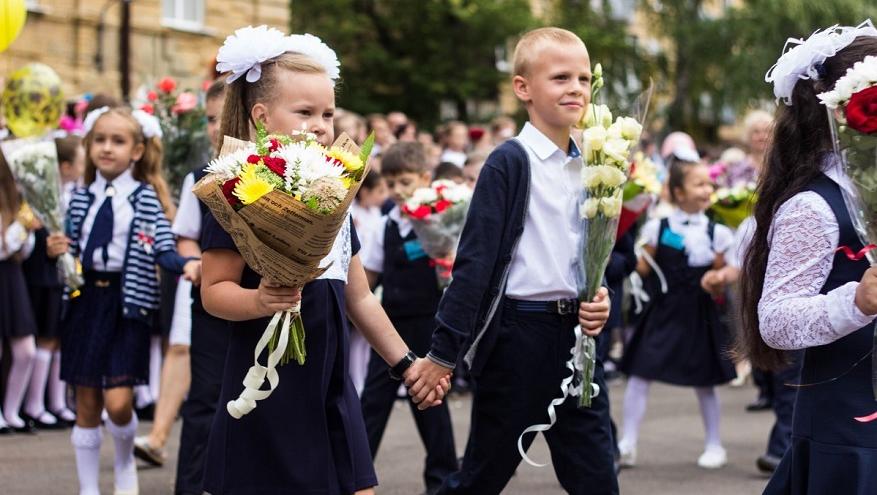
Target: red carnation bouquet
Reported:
point(852, 107)
point(437, 215)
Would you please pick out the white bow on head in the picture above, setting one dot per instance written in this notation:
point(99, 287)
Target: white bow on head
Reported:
point(802, 60)
point(244, 52)
point(149, 124)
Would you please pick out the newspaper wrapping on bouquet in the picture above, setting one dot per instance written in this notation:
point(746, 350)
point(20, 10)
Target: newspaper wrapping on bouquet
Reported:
point(34, 163)
point(852, 114)
point(606, 148)
point(437, 215)
point(283, 201)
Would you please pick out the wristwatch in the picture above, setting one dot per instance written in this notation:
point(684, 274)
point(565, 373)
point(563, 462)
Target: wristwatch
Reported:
point(402, 366)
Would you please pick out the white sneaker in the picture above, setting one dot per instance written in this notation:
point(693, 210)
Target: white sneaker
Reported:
point(626, 455)
point(713, 457)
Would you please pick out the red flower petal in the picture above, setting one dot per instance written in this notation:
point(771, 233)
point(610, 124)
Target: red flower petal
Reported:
point(861, 111)
point(253, 159)
point(275, 164)
point(148, 108)
point(275, 144)
point(227, 190)
point(151, 96)
point(421, 212)
point(442, 205)
point(167, 84)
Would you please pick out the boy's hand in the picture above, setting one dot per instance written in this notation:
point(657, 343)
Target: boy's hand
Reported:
point(593, 315)
point(274, 297)
point(57, 244)
point(427, 382)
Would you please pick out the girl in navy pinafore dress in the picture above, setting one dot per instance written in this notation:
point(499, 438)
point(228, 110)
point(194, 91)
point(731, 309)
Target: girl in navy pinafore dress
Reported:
point(807, 285)
point(680, 339)
point(117, 227)
point(308, 437)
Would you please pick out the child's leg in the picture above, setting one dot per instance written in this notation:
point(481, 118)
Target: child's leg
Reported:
point(2, 420)
point(86, 438)
point(23, 351)
point(35, 405)
point(57, 391)
point(123, 427)
point(711, 413)
point(175, 380)
point(636, 397)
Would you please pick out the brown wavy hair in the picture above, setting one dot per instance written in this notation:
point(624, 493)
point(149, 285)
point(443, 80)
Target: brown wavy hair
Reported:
point(801, 137)
point(147, 169)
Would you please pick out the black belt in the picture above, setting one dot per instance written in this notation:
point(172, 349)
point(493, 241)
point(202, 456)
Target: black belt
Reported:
point(102, 280)
point(560, 307)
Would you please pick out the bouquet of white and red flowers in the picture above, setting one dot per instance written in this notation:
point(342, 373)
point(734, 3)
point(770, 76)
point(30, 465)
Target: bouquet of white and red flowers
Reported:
point(731, 205)
point(852, 109)
point(283, 200)
point(437, 215)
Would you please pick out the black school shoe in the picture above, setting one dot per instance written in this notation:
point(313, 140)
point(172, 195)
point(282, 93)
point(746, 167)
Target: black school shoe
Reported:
point(767, 463)
point(760, 404)
point(29, 427)
point(43, 425)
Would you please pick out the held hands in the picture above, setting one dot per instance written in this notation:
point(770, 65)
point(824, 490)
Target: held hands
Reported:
point(593, 315)
point(192, 271)
point(273, 297)
point(57, 244)
point(713, 282)
point(866, 292)
point(427, 382)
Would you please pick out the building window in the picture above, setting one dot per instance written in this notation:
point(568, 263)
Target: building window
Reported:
point(184, 14)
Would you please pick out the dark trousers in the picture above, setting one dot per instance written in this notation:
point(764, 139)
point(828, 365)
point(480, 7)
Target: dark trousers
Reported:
point(765, 381)
point(520, 377)
point(433, 424)
point(207, 362)
point(784, 405)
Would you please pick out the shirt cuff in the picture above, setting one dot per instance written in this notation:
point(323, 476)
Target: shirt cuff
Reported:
point(844, 315)
point(439, 361)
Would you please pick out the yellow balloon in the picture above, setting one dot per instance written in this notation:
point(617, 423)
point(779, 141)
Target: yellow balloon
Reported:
point(12, 16)
point(32, 100)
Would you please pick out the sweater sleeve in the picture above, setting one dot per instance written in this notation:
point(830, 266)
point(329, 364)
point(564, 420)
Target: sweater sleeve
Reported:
point(477, 254)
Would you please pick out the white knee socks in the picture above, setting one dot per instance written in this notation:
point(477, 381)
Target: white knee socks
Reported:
point(125, 467)
point(23, 350)
point(35, 405)
point(57, 391)
point(86, 442)
point(711, 413)
point(636, 397)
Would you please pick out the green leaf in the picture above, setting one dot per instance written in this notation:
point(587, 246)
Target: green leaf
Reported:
point(367, 146)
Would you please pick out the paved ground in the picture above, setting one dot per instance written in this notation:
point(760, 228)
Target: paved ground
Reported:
point(670, 442)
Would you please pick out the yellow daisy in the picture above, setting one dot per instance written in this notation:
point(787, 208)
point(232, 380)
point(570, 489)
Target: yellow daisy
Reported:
point(251, 187)
point(351, 162)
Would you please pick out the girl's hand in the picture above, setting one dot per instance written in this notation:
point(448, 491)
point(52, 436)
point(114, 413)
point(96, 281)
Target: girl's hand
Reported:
point(593, 315)
point(713, 282)
point(866, 292)
point(192, 271)
point(274, 297)
point(57, 244)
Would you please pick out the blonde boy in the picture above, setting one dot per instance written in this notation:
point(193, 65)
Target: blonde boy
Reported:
point(513, 298)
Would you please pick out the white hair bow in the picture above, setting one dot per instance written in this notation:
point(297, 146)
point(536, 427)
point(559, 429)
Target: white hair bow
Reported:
point(802, 60)
point(244, 52)
point(149, 124)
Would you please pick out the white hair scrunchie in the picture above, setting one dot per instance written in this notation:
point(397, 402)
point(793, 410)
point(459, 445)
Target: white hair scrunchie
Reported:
point(244, 52)
point(802, 60)
point(149, 124)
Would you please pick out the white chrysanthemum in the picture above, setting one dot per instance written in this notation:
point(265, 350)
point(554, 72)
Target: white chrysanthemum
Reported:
point(424, 195)
point(860, 76)
point(313, 47)
point(229, 165)
point(244, 51)
point(305, 163)
point(457, 193)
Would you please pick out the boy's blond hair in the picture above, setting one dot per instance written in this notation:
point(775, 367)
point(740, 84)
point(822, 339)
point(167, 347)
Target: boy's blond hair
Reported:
point(528, 46)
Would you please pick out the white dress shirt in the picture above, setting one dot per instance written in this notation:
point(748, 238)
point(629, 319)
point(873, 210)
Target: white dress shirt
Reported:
point(803, 238)
point(693, 229)
point(123, 215)
point(543, 265)
point(458, 158)
point(187, 222)
point(373, 255)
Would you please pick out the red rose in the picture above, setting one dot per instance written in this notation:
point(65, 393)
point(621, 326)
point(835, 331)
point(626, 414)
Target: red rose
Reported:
point(862, 111)
point(275, 144)
point(276, 165)
point(421, 212)
point(148, 108)
point(227, 190)
point(167, 84)
point(442, 205)
point(151, 95)
point(253, 159)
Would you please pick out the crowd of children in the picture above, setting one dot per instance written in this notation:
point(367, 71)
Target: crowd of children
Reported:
point(504, 325)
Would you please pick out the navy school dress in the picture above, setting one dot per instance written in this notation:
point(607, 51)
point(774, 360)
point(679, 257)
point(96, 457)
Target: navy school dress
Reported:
point(44, 287)
point(680, 339)
point(308, 437)
point(830, 451)
point(16, 318)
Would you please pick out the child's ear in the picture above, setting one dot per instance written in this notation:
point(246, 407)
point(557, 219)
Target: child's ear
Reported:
point(521, 87)
point(137, 152)
point(259, 113)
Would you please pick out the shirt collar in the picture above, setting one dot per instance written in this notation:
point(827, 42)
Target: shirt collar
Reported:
point(124, 183)
point(684, 218)
point(543, 147)
point(403, 222)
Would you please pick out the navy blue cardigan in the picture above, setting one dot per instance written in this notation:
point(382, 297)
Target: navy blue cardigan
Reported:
point(469, 311)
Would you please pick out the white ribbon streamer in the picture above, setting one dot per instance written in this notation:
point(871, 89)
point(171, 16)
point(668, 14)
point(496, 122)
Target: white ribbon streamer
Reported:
point(652, 263)
point(567, 389)
point(257, 373)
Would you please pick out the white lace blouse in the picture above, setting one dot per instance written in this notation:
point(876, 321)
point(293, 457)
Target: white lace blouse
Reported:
point(803, 237)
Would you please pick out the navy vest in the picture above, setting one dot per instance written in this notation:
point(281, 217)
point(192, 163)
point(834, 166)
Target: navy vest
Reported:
point(410, 285)
point(835, 380)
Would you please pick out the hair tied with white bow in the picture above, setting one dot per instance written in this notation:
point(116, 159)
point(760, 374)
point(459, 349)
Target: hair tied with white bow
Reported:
point(244, 52)
point(805, 57)
point(149, 124)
